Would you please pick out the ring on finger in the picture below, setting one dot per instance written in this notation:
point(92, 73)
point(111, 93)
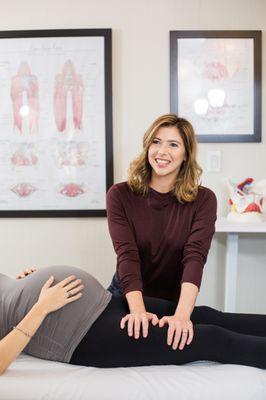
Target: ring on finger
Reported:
point(69, 294)
point(184, 332)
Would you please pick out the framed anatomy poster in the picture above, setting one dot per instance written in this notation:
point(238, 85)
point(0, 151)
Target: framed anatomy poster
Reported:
point(216, 83)
point(55, 123)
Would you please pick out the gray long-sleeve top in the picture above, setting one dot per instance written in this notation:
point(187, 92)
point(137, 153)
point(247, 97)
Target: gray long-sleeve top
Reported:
point(62, 330)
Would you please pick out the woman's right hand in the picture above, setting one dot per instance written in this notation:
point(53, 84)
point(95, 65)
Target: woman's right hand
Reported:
point(53, 298)
point(136, 320)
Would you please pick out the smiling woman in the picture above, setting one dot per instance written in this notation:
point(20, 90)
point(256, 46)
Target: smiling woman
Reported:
point(161, 222)
point(166, 155)
point(168, 160)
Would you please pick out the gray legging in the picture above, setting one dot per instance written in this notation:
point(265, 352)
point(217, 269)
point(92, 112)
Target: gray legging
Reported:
point(225, 337)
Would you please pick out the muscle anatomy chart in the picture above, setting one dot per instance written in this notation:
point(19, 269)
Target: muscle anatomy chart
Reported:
point(25, 99)
point(52, 123)
point(68, 85)
point(215, 78)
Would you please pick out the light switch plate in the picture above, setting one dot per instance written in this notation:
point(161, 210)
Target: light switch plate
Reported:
point(214, 161)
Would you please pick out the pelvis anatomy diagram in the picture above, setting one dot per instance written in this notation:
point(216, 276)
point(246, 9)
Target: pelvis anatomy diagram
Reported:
point(68, 83)
point(26, 189)
point(25, 99)
point(24, 155)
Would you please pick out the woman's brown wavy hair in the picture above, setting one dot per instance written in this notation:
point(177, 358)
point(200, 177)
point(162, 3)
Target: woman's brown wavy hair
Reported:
point(186, 186)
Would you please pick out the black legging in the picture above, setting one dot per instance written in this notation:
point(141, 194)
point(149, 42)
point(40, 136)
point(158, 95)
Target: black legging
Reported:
point(218, 336)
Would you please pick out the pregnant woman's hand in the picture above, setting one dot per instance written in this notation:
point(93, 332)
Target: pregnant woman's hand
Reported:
point(136, 320)
point(25, 272)
point(180, 329)
point(54, 297)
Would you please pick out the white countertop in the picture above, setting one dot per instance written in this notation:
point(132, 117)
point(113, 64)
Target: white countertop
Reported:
point(223, 225)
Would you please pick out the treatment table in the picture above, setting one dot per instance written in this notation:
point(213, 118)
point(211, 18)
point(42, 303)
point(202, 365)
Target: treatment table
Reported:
point(29, 378)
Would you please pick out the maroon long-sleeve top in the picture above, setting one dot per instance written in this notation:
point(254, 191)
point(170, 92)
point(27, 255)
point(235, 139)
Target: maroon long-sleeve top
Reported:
point(160, 243)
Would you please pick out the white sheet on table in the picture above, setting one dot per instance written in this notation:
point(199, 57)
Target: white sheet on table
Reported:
point(29, 378)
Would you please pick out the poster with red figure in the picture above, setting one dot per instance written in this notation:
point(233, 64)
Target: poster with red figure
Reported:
point(216, 83)
point(55, 122)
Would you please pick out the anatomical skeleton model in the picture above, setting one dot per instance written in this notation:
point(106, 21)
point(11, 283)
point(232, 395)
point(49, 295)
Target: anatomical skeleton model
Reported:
point(246, 200)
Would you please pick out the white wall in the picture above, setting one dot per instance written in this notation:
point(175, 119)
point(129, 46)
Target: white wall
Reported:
point(140, 94)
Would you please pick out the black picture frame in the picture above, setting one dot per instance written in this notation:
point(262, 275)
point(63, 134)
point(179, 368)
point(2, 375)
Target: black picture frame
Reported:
point(106, 34)
point(255, 116)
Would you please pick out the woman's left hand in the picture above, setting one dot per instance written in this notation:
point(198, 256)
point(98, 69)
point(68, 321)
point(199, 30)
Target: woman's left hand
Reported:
point(25, 273)
point(180, 329)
